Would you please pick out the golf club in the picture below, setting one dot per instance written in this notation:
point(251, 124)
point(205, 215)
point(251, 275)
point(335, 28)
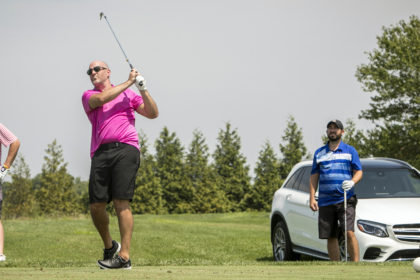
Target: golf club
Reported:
point(345, 225)
point(140, 83)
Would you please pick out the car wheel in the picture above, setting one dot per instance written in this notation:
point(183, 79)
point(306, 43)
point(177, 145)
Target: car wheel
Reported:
point(282, 246)
point(342, 246)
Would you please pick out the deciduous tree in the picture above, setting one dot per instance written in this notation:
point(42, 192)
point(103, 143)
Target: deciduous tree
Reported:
point(392, 76)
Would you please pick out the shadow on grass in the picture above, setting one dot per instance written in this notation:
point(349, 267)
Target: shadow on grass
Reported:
point(265, 259)
point(269, 259)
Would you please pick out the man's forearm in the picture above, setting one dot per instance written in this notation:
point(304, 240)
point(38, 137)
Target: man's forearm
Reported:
point(150, 109)
point(313, 185)
point(312, 192)
point(11, 155)
point(97, 100)
point(357, 176)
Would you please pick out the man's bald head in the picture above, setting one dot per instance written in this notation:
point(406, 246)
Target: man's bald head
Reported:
point(99, 74)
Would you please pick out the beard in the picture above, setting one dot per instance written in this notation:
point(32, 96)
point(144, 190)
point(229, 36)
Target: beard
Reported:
point(334, 137)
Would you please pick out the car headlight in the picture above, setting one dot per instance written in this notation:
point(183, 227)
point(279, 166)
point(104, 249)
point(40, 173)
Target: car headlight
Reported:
point(372, 228)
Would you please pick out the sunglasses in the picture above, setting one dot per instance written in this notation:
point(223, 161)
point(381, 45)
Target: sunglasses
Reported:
point(96, 69)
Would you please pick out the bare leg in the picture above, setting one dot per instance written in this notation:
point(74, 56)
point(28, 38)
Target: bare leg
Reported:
point(125, 222)
point(1, 238)
point(353, 246)
point(101, 221)
point(333, 249)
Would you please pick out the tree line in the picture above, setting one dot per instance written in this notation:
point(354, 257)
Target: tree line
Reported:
point(178, 180)
point(172, 180)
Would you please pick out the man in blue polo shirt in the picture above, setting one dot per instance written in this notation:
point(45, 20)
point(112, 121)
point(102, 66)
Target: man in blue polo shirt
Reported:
point(336, 168)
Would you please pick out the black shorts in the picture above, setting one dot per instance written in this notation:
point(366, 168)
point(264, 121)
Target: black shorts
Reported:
point(113, 172)
point(330, 215)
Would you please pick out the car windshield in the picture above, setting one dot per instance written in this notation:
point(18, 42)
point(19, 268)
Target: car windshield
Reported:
point(388, 183)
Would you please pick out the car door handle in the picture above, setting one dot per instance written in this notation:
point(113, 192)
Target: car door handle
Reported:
point(288, 196)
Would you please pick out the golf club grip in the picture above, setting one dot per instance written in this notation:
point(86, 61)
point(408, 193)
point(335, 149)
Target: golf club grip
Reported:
point(132, 67)
point(140, 83)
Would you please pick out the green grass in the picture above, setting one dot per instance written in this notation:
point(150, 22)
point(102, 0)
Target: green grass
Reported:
point(210, 246)
point(308, 270)
point(211, 239)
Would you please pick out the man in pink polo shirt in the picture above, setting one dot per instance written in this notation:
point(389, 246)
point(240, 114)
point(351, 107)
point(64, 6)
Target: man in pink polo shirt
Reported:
point(7, 139)
point(115, 155)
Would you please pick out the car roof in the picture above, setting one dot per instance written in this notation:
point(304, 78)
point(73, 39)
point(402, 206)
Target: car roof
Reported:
point(373, 162)
point(384, 163)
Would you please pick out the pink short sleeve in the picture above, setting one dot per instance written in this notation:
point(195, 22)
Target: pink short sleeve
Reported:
point(6, 137)
point(136, 101)
point(85, 99)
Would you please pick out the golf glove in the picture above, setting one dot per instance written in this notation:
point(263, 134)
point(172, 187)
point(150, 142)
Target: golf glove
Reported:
point(347, 185)
point(3, 173)
point(140, 83)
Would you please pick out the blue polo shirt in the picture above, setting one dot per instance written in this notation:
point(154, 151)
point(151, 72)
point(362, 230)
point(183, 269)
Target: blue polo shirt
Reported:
point(333, 168)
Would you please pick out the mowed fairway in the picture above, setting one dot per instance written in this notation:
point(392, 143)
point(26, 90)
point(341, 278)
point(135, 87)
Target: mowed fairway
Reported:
point(209, 246)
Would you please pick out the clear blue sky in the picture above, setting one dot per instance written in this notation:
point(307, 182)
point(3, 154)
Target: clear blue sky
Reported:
point(250, 62)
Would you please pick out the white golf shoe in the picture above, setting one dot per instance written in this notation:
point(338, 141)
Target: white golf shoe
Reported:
point(2, 258)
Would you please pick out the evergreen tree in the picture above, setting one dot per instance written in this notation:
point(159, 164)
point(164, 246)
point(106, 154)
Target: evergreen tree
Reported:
point(294, 149)
point(267, 180)
point(55, 194)
point(148, 196)
point(231, 167)
point(393, 75)
point(177, 197)
point(18, 195)
point(208, 197)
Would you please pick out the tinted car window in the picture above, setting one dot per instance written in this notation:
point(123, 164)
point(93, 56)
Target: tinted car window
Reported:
point(388, 182)
point(304, 179)
point(414, 180)
point(291, 184)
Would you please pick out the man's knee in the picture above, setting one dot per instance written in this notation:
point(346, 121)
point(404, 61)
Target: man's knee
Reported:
point(121, 205)
point(332, 240)
point(351, 235)
point(97, 206)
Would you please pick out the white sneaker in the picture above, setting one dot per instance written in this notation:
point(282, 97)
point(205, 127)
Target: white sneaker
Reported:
point(2, 258)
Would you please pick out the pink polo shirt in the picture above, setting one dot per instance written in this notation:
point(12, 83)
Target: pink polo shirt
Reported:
point(6, 138)
point(113, 121)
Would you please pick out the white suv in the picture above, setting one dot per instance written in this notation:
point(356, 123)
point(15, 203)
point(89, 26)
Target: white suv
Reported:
point(387, 223)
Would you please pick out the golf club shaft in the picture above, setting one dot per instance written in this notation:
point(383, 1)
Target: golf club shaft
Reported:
point(115, 36)
point(138, 83)
point(345, 224)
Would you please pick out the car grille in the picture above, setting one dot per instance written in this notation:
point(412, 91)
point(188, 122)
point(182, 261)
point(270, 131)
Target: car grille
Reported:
point(408, 232)
point(405, 255)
